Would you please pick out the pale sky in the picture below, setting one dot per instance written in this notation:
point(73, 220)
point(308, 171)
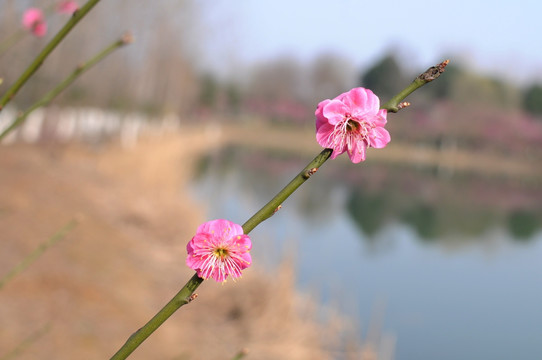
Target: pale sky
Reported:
point(502, 36)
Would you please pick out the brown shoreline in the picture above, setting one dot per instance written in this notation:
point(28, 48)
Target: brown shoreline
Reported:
point(125, 259)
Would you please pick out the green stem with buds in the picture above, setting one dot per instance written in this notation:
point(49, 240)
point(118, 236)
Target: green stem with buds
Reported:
point(186, 294)
point(35, 65)
point(273, 205)
point(45, 100)
point(183, 297)
point(393, 105)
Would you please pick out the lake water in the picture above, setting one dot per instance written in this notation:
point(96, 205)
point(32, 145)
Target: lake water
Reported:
point(450, 265)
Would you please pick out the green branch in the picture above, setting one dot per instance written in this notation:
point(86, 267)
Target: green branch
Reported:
point(35, 65)
point(186, 294)
point(241, 354)
point(11, 40)
point(32, 338)
point(429, 75)
point(183, 297)
point(30, 258)
point(273, 205)
point(45, 100)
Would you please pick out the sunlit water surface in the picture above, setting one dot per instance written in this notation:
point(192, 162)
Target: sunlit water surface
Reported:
point(442, 293)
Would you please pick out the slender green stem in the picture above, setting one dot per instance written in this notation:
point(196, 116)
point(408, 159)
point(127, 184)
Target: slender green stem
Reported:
point(30, 258)
point(32, 338)
point(429, 75)
point(185, 295)
point(11, 40)
point(45, 100)
point(241, 354)
point(35, 65)
point(271, 207)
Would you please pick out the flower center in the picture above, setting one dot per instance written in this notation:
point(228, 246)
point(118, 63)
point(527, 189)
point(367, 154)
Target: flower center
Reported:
point(352, 125)
point(221, 252)
point(348, 132)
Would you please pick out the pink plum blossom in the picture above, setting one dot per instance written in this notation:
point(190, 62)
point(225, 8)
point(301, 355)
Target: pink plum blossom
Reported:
point(34, 21)
point(67, 7)
point(219, 249)
point(351, 122)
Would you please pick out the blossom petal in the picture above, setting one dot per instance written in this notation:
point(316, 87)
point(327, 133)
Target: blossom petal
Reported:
point(245, 260)
point(323, 135)
point(379, 138)
point(40, 29)
point(201, 241)
point(380, 118)
point(362, 100)
point(220, 226)
point(67, 7)
point(358, 152)
point(34, 21)
point(356, 98)
point(31, 16)
point(243, 243)
point(334, 111)
point(320, 119)
point(325, 138)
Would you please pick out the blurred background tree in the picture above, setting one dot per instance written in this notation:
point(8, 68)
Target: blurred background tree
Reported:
point(385, 77)
point(532, 101)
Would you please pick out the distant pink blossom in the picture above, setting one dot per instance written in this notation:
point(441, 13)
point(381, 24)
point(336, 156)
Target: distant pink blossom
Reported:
point(351, 122)
point(34, 21)
point(67, 7)
point(219, 249)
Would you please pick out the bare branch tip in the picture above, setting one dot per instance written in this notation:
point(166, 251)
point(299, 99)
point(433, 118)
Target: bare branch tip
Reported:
point(434, 72)
point(79, 217)
point(243, 353)
point(127, 38)
point(442, 65)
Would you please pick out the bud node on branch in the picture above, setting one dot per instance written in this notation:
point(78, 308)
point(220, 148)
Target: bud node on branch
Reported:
point(434, 72)
point(403, 105)
point(307, 174)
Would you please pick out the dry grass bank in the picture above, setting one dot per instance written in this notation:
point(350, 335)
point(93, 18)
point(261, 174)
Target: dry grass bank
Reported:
point(125, 259)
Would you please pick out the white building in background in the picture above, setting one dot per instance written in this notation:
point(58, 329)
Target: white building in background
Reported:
point(85, 124)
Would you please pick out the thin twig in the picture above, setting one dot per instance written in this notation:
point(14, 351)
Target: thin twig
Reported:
point(32, 338)
point(429, 75)
point(241, 354)
point(34, 255)
point(36, 64)
point(45, 100)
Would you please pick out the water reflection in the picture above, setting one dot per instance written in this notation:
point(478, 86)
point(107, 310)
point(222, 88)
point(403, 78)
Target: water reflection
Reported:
point(523, 224)
point(370, 231)
point(436, 206)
